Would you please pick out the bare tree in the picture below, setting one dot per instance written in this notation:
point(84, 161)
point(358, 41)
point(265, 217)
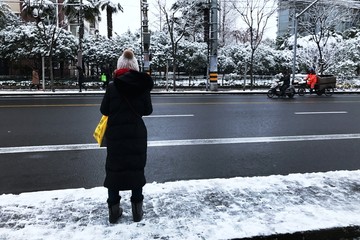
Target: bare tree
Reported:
point(241, 36)
point(255, 14)
point(227, 22)
point(176, 26)
point(322, 21)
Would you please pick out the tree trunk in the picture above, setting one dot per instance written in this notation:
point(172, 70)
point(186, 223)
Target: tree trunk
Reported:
point(174, 75)
point(109, 21)
point(51, 71)
point(252, 70)
point(321, 66)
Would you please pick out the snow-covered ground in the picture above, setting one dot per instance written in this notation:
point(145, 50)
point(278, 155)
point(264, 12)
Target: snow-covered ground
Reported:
point(195, 209)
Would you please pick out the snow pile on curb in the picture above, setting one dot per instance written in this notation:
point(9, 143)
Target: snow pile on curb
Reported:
point(196, 209)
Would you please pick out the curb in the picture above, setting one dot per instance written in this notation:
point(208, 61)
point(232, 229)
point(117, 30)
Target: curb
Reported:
point(101, 92)
point(338, 233)
point(72, 92)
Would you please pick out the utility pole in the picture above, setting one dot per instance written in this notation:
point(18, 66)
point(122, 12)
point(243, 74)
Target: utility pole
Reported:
point(145, 36)
point(206, 40)
point(213, 74)
point(296, 17)
point(80, 50)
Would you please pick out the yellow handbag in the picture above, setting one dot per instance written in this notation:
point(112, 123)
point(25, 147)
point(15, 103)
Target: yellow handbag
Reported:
point(100, 131)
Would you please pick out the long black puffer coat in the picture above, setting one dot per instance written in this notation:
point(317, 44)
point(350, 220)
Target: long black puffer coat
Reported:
point(126, 100)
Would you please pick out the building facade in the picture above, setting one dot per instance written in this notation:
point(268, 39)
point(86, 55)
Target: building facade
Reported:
point(347, 15)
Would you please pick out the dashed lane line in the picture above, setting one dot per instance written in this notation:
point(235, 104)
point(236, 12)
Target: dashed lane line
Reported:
point(313, 113)
point(169, 116)
point(185, 142)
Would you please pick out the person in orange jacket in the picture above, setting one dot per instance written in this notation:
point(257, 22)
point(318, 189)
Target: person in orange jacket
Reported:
point(311, 79)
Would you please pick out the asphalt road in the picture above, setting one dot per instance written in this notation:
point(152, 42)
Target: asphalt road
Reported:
point(190, 137)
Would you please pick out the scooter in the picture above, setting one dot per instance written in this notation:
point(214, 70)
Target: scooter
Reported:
point(275, 90)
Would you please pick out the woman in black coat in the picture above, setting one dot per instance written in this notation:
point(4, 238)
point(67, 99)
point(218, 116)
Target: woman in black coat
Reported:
point(126, 100)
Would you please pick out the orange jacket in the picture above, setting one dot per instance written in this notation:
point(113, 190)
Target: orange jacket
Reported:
point(311, 78)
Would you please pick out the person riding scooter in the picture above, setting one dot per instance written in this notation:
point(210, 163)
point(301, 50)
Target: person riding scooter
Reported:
point(311, 79)
point(281, 86)
point(286, 82)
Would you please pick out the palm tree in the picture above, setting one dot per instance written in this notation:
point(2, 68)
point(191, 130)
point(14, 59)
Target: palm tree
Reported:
point(4, 9)
point(75, 9)
point(7, 17)
point(41, 12)
point(111, 8)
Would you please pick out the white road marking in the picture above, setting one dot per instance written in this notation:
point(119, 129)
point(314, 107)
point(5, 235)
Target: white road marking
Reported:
point(165, 116)
point(185, 142)
point(309, 113)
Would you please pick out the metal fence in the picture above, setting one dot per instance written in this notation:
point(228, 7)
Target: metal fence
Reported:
point(227, 81)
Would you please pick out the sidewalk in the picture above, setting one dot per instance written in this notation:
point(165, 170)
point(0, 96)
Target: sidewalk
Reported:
point(311, 206)
point(19, 92)
point(7, 92)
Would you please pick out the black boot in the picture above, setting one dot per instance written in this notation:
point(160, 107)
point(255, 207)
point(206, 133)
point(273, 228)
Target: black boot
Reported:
point(137, 211)
point(115, 212)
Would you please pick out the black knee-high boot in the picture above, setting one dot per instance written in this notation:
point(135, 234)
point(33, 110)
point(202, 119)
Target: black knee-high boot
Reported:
point(137, 211)
point(115, 211)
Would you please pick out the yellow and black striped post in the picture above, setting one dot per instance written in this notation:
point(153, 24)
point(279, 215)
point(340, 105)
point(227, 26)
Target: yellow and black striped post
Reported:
point(213, 77)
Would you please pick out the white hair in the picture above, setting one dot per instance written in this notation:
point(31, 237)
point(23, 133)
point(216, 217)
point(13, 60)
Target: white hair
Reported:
point(128, 60)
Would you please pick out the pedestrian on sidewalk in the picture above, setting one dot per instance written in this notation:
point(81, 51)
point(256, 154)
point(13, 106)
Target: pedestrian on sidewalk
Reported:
point(81, 78)
point(126, 100)
point(35, 80)
point(103, 80)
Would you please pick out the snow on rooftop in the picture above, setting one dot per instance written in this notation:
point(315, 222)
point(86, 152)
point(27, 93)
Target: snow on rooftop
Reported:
point(195, 209)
